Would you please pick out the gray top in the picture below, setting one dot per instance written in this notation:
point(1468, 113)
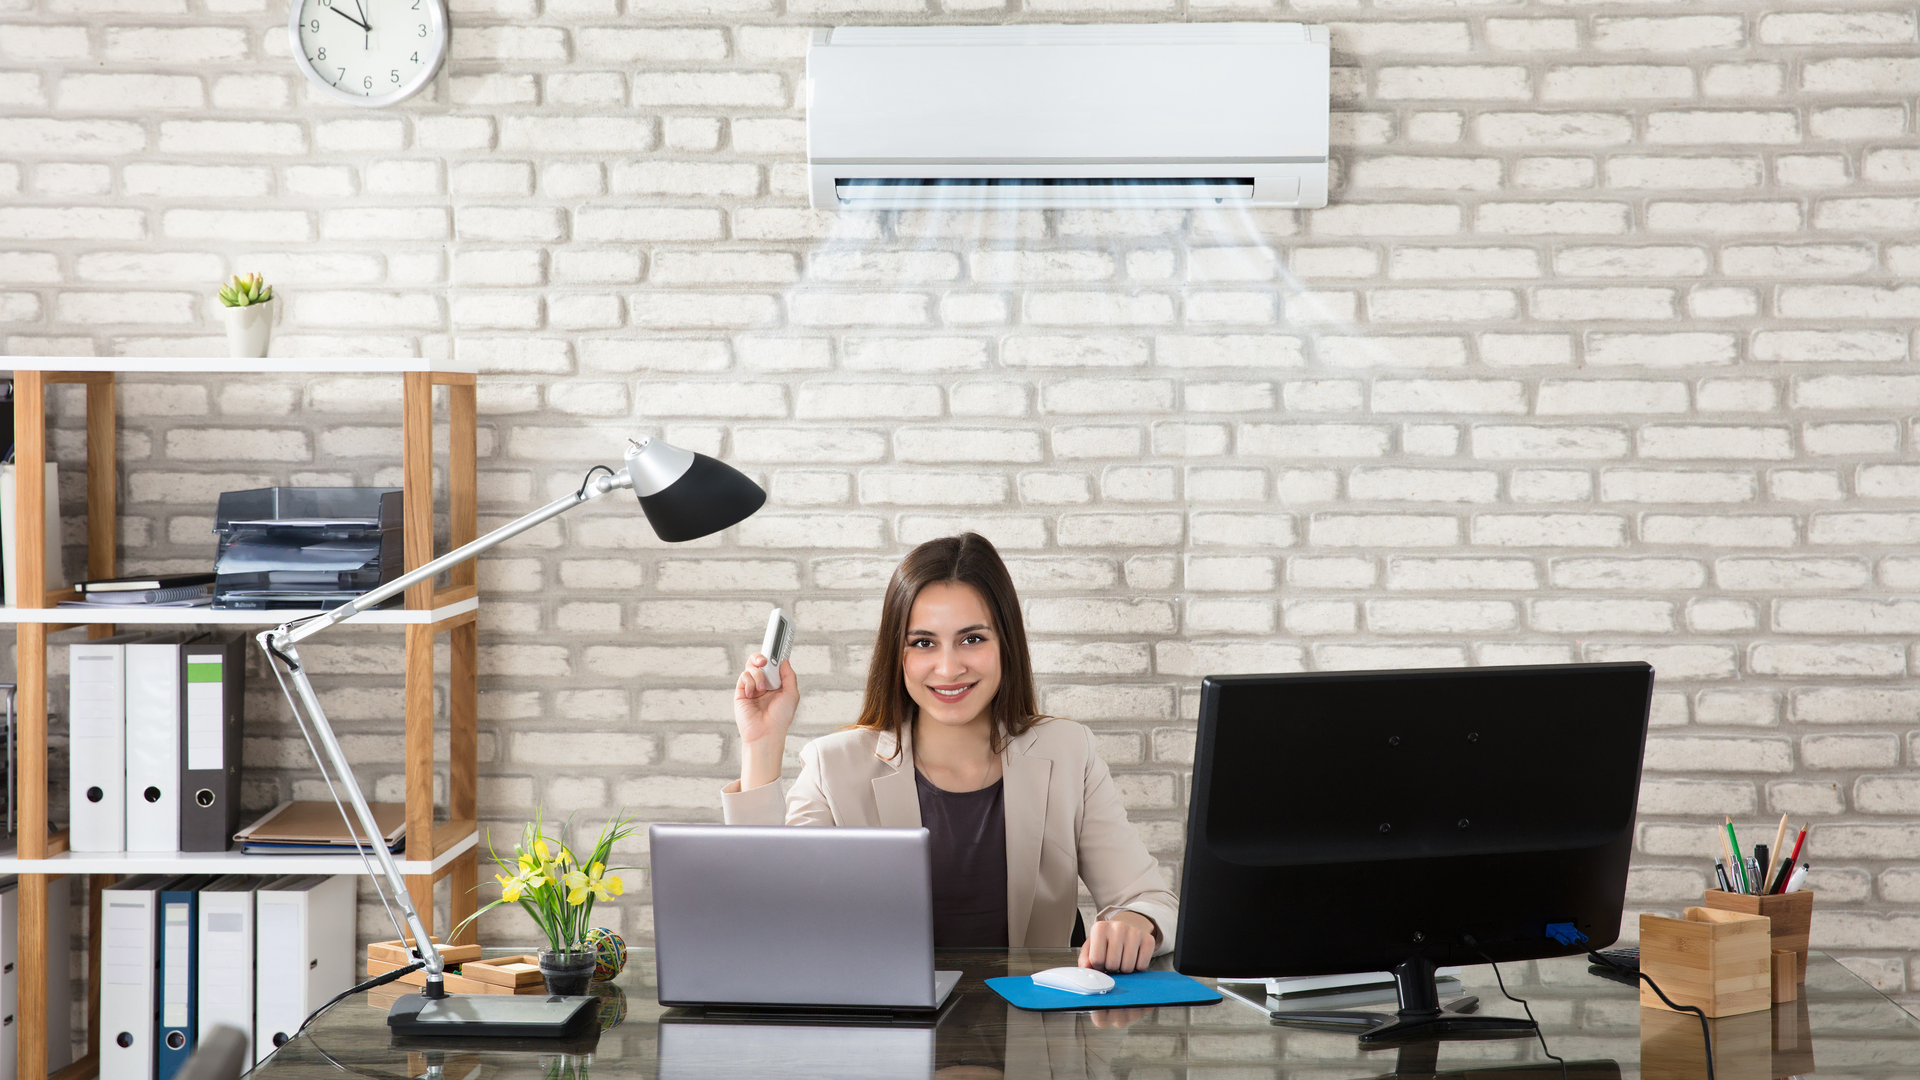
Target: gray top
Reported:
point(967, 845)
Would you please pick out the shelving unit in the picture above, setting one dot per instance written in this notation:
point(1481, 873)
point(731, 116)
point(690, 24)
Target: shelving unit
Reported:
point(448, 849)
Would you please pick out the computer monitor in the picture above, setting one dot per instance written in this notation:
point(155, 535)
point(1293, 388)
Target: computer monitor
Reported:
point(1402, 820)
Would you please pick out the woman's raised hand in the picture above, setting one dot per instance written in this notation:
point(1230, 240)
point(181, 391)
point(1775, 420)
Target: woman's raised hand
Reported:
point(763, 715)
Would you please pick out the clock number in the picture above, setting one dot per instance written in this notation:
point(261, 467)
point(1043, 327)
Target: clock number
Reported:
point(342, 75)
point(416, 5)
point(323, 53)
point(415, 58)
point(396, 75)
point(314, 26)
point(367, 83)
point(423, 29)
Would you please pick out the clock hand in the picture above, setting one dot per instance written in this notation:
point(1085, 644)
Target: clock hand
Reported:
point(350, 18)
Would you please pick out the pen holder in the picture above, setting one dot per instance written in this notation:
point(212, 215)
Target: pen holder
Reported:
point(1791, 913)
point(1720, 961)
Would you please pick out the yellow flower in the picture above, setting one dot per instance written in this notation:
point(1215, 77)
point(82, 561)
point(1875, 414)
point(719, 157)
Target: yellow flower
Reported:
point(595, 881)
point(511, 888)
point(540, 849)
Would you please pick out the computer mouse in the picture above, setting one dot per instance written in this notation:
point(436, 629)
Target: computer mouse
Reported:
point(1074, 980)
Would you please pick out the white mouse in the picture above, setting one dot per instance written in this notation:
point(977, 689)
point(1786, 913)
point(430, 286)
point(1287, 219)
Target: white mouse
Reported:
point(1074, 980)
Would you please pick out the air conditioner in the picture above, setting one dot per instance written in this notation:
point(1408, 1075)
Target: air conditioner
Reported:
point(1167, 114)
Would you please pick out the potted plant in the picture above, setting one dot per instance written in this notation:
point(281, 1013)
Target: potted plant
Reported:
point(249, 312)
point(558, 889)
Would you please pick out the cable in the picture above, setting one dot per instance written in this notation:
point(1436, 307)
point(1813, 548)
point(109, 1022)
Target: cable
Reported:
point(1537, 1033)
point(1706, 1033)
point(587, 479)
point(370, 984)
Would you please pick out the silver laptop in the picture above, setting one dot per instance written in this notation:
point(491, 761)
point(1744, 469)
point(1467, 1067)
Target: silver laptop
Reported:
point(821, 919)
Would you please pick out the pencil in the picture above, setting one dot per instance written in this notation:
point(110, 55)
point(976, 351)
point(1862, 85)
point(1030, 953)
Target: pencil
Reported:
point(1732, 874)
point(1739, 864)
point(1779, 848)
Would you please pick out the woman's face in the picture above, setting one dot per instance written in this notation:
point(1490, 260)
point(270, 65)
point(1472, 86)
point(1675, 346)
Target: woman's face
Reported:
point(952, 661)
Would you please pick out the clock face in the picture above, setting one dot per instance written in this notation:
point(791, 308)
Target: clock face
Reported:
point(369, 52)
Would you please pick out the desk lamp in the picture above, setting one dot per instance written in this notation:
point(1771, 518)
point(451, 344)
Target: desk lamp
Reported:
point(685, 496)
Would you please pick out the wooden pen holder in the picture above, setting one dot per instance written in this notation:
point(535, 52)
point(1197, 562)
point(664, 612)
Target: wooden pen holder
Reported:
point(1791, 914)
point(1720, 961)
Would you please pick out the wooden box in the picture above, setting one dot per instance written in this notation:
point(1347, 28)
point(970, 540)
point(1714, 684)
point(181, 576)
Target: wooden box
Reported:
point(1720, 961)
point(1786, 980)
point(1671, 1047)
point(398, 952)
point(1792, 914)
point(500, 975)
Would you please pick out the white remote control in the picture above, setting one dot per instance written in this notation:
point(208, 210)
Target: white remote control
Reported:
point(778, 644)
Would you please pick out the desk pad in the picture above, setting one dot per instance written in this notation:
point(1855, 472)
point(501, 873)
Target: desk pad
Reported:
point(1136, 991)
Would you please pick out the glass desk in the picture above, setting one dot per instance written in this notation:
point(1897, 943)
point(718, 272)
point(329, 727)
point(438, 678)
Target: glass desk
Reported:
point(1840, 1027)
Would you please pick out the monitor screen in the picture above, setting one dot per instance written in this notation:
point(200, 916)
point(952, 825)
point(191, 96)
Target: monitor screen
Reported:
point(1350, 821)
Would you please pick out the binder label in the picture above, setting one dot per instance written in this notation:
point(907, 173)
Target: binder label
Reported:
point(127, 933)
point(176, 991)
point(93, 701)
point(206, 742)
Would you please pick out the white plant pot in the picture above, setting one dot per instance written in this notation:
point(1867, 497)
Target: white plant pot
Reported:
point(248, 329)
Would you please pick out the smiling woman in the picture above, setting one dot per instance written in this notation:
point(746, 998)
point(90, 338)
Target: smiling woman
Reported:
point(1019, 807)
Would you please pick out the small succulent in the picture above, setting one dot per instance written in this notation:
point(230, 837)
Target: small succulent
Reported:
point(245, 291)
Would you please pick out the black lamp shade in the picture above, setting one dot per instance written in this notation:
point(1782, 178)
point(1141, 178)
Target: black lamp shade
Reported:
point(708, 497)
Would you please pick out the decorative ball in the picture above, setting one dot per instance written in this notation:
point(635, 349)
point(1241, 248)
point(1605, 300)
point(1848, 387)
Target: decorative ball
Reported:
point(609, 953)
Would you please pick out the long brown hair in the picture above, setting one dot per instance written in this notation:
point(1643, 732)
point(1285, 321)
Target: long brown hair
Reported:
point(967, 559)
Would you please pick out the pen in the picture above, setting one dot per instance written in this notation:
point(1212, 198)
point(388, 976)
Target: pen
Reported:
point(1720, 872)
point(1739, 868)
point(1780, 876)
point(1799, 878)
point(1761, 855)
point(1753, 875)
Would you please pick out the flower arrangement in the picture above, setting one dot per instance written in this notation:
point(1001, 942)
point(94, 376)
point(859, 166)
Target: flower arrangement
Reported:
point(245, 291)
point(553, 885)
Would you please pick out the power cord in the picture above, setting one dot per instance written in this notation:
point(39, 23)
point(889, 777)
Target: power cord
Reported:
point(1537, 1033)
point(1706, 1033)
point(371, 984)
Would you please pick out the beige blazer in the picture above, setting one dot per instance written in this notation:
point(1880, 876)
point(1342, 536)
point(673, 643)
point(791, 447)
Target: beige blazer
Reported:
point(1065, 823)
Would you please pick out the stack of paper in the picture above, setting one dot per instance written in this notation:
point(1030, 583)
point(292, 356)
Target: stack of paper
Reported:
point(301, 828)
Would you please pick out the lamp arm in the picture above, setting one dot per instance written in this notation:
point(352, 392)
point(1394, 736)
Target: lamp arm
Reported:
point(294, 633)
point(281, 644)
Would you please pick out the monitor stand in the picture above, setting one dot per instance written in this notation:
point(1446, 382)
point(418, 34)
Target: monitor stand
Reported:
point(1421, 1015)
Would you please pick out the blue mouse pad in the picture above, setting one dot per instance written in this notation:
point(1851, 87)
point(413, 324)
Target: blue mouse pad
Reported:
point(1136, 991)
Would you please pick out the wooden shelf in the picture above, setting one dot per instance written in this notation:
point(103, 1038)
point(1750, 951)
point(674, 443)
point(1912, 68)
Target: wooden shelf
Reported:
point(430, 612)
point(204, 616)
point(223, 862)
point(162, 365)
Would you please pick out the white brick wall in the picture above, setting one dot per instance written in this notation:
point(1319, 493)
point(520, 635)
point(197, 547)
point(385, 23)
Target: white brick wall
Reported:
point(1602, 351)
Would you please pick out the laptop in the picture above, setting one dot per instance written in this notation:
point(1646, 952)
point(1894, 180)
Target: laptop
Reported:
point(836, 920)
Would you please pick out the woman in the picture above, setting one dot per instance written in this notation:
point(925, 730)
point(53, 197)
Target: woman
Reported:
point(1018, 806)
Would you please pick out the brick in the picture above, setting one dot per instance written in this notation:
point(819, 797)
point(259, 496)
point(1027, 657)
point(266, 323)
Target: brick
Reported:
point(1290, 441)
point(1551, 218)
point(1854, 705)
point(1423, 485)
point(576, 134)
point(1616, 82)
point(1835, 661)
point(1874, 213)
point(1383, 530)
point(742, 89)
point(1838, 616)
point(1719, 531)
point(1704, 442)
point(129, 92)
point(1453, 83)
point(1484, 396)
point(47, 136)
point(1243, 530)
point(1582, 616)
point(1859, 75)
point(1669, 753)
point(1574, 397)
point(1635, 574)
point(1535, 130)
point(1549, 530)
point(174, 45)
point(1463, 262)
point(858, 400)
point(1524, 442)
point(1440, 305)
point(1439, 616)
point(221, 136)
point(1681, 349)
point(1681, 33)
point(1656, 486)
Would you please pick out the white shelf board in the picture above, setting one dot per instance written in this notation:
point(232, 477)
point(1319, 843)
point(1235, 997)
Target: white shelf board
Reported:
point(206, 616)
point(220, 862)
point(324, 365)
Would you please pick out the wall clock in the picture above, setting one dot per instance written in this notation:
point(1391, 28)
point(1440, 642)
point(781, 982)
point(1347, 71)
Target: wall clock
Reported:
point(368, 52)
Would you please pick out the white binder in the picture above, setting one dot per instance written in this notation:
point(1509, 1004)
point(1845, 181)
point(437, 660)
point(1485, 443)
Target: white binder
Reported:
point(9, 532)
point(128, 971)
point(153, 742)
point(97, 754)
point(59, 989)
point(226, 954)
point(303, 953)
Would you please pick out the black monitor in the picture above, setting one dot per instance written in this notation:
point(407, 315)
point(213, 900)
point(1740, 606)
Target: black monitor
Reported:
point(1404, 820)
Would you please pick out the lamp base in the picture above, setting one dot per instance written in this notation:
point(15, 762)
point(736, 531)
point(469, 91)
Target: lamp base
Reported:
point(514, 1016)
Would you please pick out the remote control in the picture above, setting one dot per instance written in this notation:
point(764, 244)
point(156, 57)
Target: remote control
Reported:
point(778, 644)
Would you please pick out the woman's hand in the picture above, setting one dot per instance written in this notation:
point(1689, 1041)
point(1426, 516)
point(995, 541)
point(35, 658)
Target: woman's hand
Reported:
point(763, 716)
point(1121, 944)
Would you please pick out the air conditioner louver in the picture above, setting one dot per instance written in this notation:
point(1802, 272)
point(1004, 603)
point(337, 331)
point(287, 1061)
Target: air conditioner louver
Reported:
point(1136, 115)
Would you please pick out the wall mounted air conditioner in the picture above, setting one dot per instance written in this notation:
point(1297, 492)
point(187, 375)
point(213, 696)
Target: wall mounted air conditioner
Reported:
point(1169, 114)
